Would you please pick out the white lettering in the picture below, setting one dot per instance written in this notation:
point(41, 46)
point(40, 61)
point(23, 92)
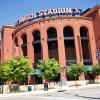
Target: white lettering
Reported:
point(44, 13)
point(69, 10)
point(49, 11)
point(61, 10)
point(55, 11)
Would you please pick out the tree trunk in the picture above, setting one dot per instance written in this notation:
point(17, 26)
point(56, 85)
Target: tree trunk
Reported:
point(75, 82)
point(97, 79)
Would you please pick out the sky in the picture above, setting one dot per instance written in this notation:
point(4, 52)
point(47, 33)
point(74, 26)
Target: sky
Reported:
point(12, 10)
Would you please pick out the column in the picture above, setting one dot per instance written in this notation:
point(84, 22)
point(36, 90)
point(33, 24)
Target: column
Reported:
point(13, 44)
point(61, 47)
point(30, 48)
point(44, 45)
point(92, 44)
point(78, 46)
point(15, 47)
point(20, 48)
point(61, 52)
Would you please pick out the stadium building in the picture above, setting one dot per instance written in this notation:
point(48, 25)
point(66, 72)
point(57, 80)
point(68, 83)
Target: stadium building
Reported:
point(66, 34)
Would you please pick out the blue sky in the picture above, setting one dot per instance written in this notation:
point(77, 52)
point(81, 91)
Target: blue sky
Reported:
point(12, 10)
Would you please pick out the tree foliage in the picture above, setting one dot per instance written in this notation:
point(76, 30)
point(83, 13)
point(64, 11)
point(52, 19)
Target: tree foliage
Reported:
point(96, 70)
point(4, 72)
point(88, 70)
point(92, 72)
point(49, 69)
point(76, 70)
point(16, 70)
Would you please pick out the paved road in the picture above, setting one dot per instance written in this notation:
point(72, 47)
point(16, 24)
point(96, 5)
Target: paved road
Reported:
point(75, 94)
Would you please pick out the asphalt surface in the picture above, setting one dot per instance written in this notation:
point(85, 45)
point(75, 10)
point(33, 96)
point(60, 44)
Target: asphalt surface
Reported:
point(92, 93)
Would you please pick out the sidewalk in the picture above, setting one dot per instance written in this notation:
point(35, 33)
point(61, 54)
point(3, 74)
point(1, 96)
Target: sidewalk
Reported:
point(50, 90)
point(27, 93)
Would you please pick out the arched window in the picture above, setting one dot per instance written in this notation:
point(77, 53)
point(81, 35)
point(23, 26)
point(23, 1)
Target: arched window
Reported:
point(52, 43)
point(16, 47)
point(69, 45)
point(24, 44)
point(85, 45)
point(37, 45)
point(24, 38)
point(16, 42)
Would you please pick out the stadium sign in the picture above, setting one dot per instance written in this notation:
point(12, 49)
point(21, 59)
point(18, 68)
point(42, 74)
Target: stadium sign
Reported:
point(49, 13)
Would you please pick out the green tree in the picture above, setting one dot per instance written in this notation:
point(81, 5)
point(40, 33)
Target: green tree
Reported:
point(88, 71)
point(96, 71)
point(49, 69)
point(15, 71)
point(75, 71)
point(20, 67)
point(4, 72)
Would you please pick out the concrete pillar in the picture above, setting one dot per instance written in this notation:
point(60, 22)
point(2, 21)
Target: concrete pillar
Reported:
point(30, 48)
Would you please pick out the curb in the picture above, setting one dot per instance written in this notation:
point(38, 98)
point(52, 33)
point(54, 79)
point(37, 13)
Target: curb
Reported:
point(44, 92)
point(26, 93)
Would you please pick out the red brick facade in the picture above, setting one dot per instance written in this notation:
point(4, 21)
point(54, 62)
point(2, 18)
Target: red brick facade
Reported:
point(89, 22)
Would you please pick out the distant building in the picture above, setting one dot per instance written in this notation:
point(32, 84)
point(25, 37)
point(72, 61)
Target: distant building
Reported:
point(57, 33)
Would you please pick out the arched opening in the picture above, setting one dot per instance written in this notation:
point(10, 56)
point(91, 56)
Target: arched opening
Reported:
point(16, 47)
point(37, 45)
point(52, 43)
point(37, 53)
point(69, 45)
point(24, 44)
point(85, 45)
point(16, 42)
